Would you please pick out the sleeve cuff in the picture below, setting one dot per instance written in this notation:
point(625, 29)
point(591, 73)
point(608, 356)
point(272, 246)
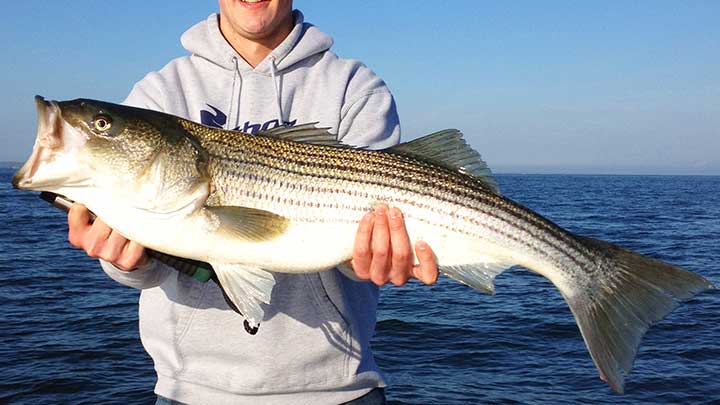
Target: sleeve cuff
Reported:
point(151, 274)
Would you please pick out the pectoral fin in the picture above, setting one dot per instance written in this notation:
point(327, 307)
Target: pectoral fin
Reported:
point(247, 288)
point(247, 223)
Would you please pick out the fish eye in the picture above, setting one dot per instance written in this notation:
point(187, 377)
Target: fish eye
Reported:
point(102, 122)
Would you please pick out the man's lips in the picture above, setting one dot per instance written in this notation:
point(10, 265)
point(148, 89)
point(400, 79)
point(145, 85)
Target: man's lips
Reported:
point(254, 4)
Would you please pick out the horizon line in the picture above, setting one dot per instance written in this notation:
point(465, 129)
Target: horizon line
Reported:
point(556, 171)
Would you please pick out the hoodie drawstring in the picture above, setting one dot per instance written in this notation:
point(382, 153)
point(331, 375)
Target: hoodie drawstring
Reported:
point(236, 89)
point(277, 85)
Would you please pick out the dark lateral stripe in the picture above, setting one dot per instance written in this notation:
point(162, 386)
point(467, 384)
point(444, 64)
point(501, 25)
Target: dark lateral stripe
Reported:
point(309, 154)
point(275, 181)
point(409, 167)
point(341, 172)
point(497, 201)
point(412, 171)
point(265, 196)
point(486, 227)
point(418, 185)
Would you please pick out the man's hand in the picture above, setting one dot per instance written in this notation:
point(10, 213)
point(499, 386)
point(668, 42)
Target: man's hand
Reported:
point(383, 253)
point(100, 241)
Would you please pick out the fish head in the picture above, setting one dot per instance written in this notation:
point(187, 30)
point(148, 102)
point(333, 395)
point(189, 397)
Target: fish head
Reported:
point(142, 156)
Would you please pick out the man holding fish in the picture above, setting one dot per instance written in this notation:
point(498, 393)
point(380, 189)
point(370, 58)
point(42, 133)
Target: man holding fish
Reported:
point(254, 67)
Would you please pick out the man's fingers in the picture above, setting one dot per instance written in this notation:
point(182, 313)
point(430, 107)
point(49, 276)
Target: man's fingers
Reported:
point(96, 238)
point(78, 224)
point(426, 271)
point(133, 256)
point(402, 255)
point(379, 266)
point(382, 251)
point(115, 247)
point(136, 253)
point(362, 253)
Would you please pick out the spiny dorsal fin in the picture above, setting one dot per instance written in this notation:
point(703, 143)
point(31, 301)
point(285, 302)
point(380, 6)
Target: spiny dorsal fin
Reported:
point(449, 149)
point(247, 223)
point(305, 133)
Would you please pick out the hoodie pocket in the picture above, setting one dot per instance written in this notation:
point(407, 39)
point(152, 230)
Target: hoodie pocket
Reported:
point(304, 342)
point(166, 314)
point(328, 300)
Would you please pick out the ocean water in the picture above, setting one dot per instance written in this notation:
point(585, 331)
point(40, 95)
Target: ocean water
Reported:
point(68, 334)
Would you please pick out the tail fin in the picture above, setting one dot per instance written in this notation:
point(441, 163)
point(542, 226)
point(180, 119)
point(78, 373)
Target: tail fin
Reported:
point(636, 292)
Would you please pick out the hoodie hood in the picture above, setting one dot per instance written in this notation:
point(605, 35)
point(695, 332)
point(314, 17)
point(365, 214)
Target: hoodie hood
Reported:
point(300, 81)
point(205, 40)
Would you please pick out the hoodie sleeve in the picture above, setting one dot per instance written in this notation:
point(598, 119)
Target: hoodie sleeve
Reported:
point(151, 275)
point(369, 117)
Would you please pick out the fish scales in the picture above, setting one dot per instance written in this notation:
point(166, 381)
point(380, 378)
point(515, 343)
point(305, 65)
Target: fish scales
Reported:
point(264, 166)
point(319, 161)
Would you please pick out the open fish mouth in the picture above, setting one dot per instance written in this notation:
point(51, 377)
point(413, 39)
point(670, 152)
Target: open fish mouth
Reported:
point(51, 162)
point(49, 138)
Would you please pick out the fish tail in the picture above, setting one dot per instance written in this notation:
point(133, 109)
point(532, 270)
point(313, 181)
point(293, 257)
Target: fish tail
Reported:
point(614, 313)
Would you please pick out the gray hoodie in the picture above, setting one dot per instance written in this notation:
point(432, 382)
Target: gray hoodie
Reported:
point(313, 345)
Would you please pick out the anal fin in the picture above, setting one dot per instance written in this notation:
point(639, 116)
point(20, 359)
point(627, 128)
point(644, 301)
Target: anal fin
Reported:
point(479, 276)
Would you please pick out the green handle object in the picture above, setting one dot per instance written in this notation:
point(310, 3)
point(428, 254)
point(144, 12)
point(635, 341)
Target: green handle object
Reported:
point(200, 271)
point(202, 274)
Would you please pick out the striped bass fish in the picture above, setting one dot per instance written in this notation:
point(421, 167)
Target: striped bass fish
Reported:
point(290, 200)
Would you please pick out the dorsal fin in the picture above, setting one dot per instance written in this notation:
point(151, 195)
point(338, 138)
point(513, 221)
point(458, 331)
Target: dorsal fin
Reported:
point(305, 133)
point(449, 149)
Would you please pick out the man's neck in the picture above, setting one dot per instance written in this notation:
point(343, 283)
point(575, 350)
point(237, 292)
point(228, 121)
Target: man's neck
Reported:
point(255, 50)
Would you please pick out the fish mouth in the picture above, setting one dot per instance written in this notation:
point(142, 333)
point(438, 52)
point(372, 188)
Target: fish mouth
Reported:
point(48, 143)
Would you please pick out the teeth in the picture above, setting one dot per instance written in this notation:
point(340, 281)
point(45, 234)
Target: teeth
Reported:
point(252, 1)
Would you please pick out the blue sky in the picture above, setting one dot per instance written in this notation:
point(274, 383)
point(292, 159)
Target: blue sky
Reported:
point(537, 87)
